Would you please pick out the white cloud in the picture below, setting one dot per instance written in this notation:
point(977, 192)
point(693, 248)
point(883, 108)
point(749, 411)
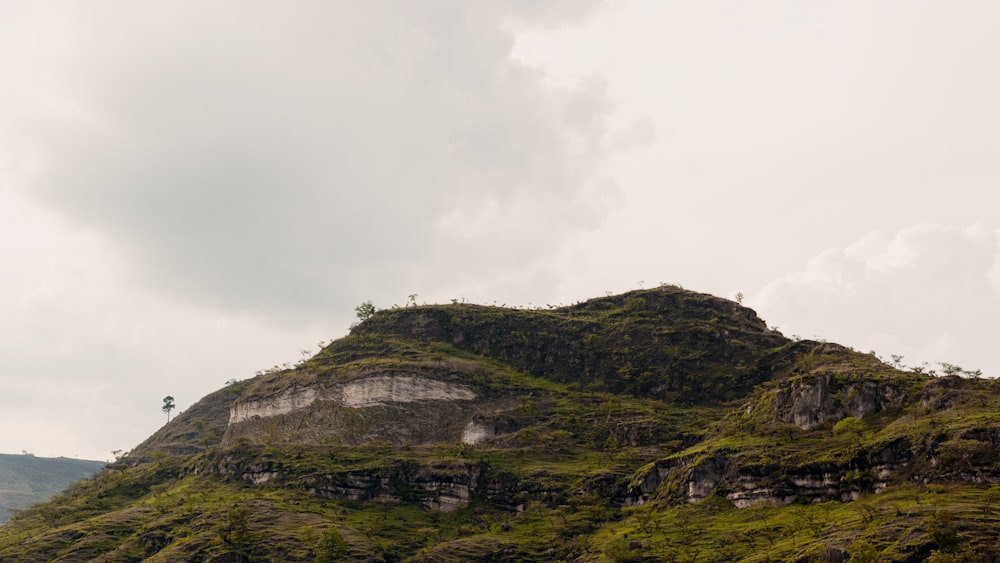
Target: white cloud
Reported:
point(256, 158)
point(927, 292)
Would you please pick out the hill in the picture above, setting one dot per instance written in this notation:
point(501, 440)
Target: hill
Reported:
point(26, 479)
point(655, 425)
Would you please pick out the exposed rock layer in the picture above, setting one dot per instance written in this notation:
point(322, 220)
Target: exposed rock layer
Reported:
point(401, 408)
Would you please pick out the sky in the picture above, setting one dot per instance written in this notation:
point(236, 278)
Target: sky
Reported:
point(191, 192)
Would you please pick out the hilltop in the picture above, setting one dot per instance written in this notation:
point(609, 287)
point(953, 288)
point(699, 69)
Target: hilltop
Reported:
point(660, 424)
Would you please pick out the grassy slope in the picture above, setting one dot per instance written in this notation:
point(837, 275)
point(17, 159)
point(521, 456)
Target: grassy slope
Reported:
point(193, 430)
point(593, 415)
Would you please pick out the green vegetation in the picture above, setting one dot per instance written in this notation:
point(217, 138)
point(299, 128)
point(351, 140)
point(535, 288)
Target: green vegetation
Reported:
point(659, 425)
point(365, 311)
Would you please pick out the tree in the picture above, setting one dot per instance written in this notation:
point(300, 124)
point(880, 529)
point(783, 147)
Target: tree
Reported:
point(332, 547)
point(970, 452)
point(950, 370)
point(954, 370)
point(236, 533)
point(365, 311)
point(944, 532)
point(168, 405)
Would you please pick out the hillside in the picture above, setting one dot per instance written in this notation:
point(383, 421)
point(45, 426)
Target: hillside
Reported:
point(655, 425)
point(26, 479)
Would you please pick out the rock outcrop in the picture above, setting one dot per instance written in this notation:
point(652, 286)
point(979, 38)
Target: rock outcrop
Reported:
point(399, 407)
point(809, 401)
point(746, 484)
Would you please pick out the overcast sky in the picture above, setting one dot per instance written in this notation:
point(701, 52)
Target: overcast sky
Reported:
point(194, 191)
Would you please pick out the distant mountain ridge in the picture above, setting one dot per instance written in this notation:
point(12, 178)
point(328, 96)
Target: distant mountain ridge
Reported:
point(26, 479)
point(656, 425)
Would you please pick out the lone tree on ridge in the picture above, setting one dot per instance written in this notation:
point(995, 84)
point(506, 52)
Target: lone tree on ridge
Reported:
point(168, 405)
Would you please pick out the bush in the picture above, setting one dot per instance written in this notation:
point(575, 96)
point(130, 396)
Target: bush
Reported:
point(944, 532)
point(861, 551)
point(332, 546)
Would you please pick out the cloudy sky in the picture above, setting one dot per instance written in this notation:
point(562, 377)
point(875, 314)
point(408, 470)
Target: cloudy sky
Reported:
point(194, 191)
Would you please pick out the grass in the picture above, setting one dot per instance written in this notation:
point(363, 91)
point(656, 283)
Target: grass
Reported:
point(894, 522)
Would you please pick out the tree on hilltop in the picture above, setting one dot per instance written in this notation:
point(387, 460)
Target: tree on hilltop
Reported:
point(366, 310)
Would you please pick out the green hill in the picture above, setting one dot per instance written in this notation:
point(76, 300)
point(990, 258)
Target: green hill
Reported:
point(26, 479)
point(658, 425)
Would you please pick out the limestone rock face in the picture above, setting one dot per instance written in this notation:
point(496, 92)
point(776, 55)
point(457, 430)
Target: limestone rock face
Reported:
point(476, 432)
point(402, 408)
point(813, 400)
point(367, 392)
point(285, 402)
point(376, 391)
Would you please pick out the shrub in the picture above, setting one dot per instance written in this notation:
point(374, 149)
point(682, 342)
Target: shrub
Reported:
point(332, 546)
point(861, 551)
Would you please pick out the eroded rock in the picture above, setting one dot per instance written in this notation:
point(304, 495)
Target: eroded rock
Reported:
point(365, 392)
point(399, 408)
point(809, 401)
